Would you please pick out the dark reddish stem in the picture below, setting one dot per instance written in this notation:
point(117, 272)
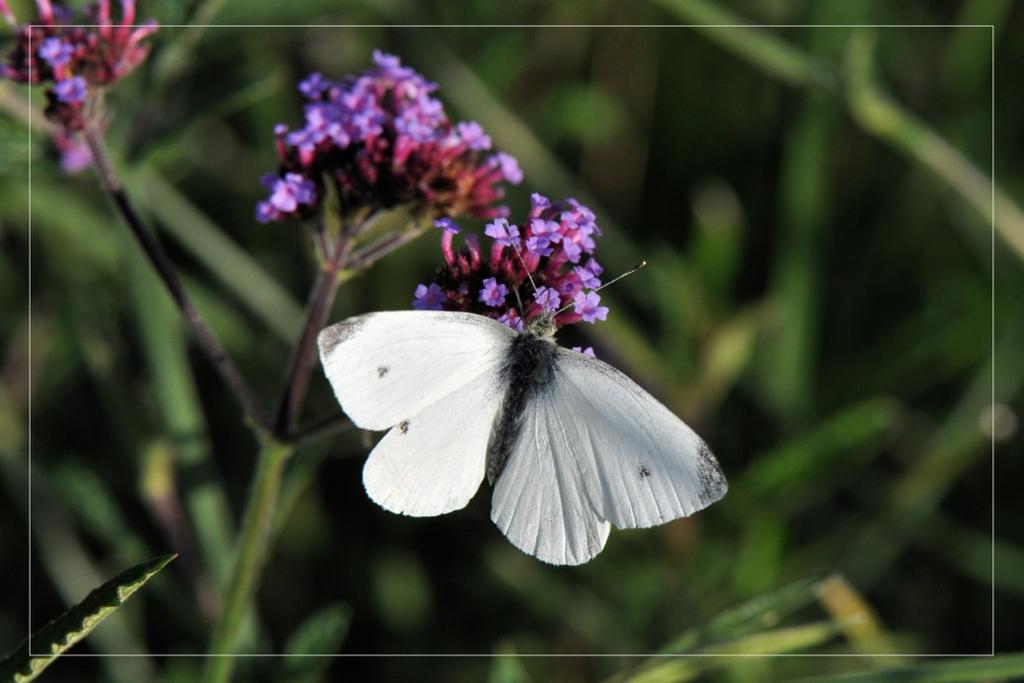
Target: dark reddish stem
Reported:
point(157, 258)
point(317, 310)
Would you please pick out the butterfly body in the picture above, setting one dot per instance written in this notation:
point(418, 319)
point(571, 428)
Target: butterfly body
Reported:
point(570, 444)
point(528, 369)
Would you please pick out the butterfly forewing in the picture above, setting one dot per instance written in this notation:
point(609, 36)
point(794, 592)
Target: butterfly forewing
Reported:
point(387, 367)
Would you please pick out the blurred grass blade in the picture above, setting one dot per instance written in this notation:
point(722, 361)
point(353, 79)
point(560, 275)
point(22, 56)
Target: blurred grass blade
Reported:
point(887, 120)
point(506, 666)
point(763, 611)
point(967, 59)
point(84, 492)
point(778, 641)
point(719, 238)
point(970, 551)
point(788, 353)
point(878, 115)
point(951, 451)
point(757, 46)
point(550, 598)
point(175, 57)
point(321, 634)
point(787, 472)
point(235, 268)
point(851, 611)
point(164, 346)
point(728, 352)
point(158, 148)
point(59, 635)
point(998, 668)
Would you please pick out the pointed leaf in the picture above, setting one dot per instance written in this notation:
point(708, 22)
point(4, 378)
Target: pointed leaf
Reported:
point(59, 635)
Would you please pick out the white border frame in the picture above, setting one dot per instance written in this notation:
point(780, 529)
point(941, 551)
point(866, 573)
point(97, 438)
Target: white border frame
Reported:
point(991, 653)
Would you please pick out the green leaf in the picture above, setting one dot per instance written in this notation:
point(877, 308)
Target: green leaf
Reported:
point(59, 635)
point(321, 634)
point(997, 668)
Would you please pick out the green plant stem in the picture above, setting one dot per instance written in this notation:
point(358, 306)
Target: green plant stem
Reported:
point(756, 45)
point(157, 258)
point(320, 428)
point(887, 120)
point(871, 109)
point(247, 561)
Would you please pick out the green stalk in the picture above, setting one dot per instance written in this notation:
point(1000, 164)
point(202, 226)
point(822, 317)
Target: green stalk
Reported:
point(248, 558)
point(879, 115)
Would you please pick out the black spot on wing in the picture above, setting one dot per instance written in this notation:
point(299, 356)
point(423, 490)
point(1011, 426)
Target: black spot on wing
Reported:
point(710, 475)
point(382, 371)
point(644, 472)
point(403, 426)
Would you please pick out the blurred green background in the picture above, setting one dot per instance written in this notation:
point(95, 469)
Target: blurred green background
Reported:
point(813, 203)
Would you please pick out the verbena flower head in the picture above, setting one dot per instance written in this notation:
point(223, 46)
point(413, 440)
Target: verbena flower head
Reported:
point(75, 59)
point(383, 140)
point(554, 246)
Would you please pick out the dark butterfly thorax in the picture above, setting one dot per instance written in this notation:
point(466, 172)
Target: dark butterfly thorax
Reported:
point(528, 368)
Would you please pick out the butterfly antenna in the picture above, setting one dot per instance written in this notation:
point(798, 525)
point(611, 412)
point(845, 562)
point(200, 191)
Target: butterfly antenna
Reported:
point(628, 272)
point(515, 290)
point(607, 284)
point(526, 268)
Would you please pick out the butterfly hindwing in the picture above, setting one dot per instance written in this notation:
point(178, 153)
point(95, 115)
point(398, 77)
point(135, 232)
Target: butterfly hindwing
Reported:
point(433, 462)
point(540, 501)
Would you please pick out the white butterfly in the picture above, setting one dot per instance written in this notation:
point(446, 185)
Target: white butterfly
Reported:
point(571, 445)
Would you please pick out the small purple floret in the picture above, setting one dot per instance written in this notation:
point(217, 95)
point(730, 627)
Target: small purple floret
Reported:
point(588, 274)
point(511, 319)
point(587, 306)
point(548, 298)
point(71, 91)
point(429, 298)
point(589, 351)
point(313, 85)
point(265, 212)
point(545, 233)
point(509, 166)
point(472, 133)
point(493, 294)
point(448, 225)
point(502, 233)
point(291, 191)
point(55, 51)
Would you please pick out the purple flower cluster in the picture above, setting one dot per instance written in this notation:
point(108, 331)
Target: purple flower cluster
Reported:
point(75, 59)
point(384, 140)
point(554, 246)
